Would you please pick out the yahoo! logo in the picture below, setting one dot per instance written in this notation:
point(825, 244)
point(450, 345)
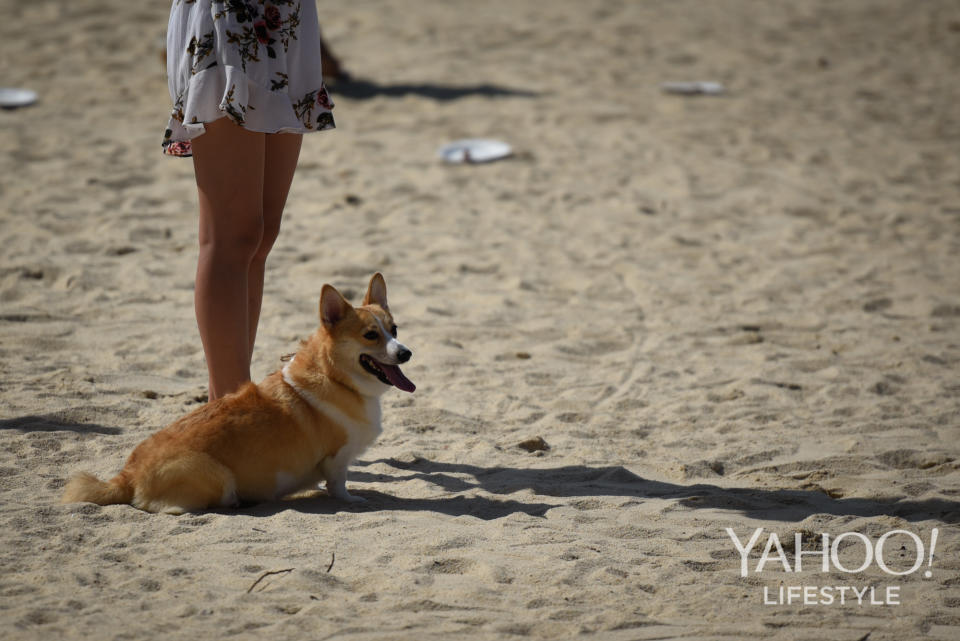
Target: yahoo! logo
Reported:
point(830, 552)
point(828, 555)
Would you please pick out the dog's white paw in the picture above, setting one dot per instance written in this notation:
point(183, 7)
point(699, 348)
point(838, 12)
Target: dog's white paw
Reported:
point(339, 492)
point(346, 497)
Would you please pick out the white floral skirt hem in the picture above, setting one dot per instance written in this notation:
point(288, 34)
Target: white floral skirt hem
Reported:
point(256, 62)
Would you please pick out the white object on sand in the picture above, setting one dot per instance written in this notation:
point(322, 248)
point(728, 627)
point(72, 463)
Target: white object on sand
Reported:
point(11, 98)
point(473, 150)
point(692, 88)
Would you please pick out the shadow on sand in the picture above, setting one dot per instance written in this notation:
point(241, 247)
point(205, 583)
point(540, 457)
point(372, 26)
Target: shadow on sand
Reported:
point(360, 89)
point(583, 481)
point(54, 424)
point(453, 479)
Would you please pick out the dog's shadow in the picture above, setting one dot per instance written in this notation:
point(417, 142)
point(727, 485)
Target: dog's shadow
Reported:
point(453, 480)
point(319, 503)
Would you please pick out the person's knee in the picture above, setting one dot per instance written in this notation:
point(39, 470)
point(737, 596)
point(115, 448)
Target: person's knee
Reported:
point(237, 242)
point(271, 230)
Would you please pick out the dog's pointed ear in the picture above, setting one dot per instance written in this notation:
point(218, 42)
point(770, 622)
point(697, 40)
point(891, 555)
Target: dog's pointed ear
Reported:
point(333, 306)
point(376, 291)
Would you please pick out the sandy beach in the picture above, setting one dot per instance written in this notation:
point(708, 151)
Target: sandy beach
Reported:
point(718, 311)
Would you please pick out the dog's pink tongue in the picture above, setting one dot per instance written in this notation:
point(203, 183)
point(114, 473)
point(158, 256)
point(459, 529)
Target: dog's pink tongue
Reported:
point(397, 378)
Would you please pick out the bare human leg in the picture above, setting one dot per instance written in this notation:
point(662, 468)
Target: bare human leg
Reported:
point(229, 164)
point(280, 160)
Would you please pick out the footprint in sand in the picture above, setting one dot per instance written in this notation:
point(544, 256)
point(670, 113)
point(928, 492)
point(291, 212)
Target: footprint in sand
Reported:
point(913, 459)
point(450, 566)
point(150, 585)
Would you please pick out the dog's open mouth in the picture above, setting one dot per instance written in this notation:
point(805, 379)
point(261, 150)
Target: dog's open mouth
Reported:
point(388, 374)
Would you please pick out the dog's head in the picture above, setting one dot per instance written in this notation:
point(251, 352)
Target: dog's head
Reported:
point(363, 343)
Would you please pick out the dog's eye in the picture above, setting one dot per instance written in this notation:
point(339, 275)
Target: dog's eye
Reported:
point(371, 335)
point(393, 331)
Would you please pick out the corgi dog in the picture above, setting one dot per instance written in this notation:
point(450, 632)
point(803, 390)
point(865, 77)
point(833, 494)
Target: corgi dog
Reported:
point(301, 426)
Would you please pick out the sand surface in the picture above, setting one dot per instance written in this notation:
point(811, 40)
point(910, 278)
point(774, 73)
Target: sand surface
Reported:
point(737, 311)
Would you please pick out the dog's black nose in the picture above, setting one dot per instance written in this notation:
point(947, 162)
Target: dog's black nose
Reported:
point(404, 355)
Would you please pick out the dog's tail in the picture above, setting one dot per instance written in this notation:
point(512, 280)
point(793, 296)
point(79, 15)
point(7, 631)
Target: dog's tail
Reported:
point(87, 488)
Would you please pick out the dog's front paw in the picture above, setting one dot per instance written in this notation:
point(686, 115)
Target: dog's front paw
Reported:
point(339, 491)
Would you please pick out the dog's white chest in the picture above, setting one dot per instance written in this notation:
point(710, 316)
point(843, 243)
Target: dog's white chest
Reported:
point(361, 435)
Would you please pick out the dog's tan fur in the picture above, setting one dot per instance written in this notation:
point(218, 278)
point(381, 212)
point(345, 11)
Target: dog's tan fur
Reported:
point(298, 427)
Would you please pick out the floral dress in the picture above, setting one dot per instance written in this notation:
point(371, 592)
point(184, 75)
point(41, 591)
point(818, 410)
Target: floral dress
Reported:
point(256, 62)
